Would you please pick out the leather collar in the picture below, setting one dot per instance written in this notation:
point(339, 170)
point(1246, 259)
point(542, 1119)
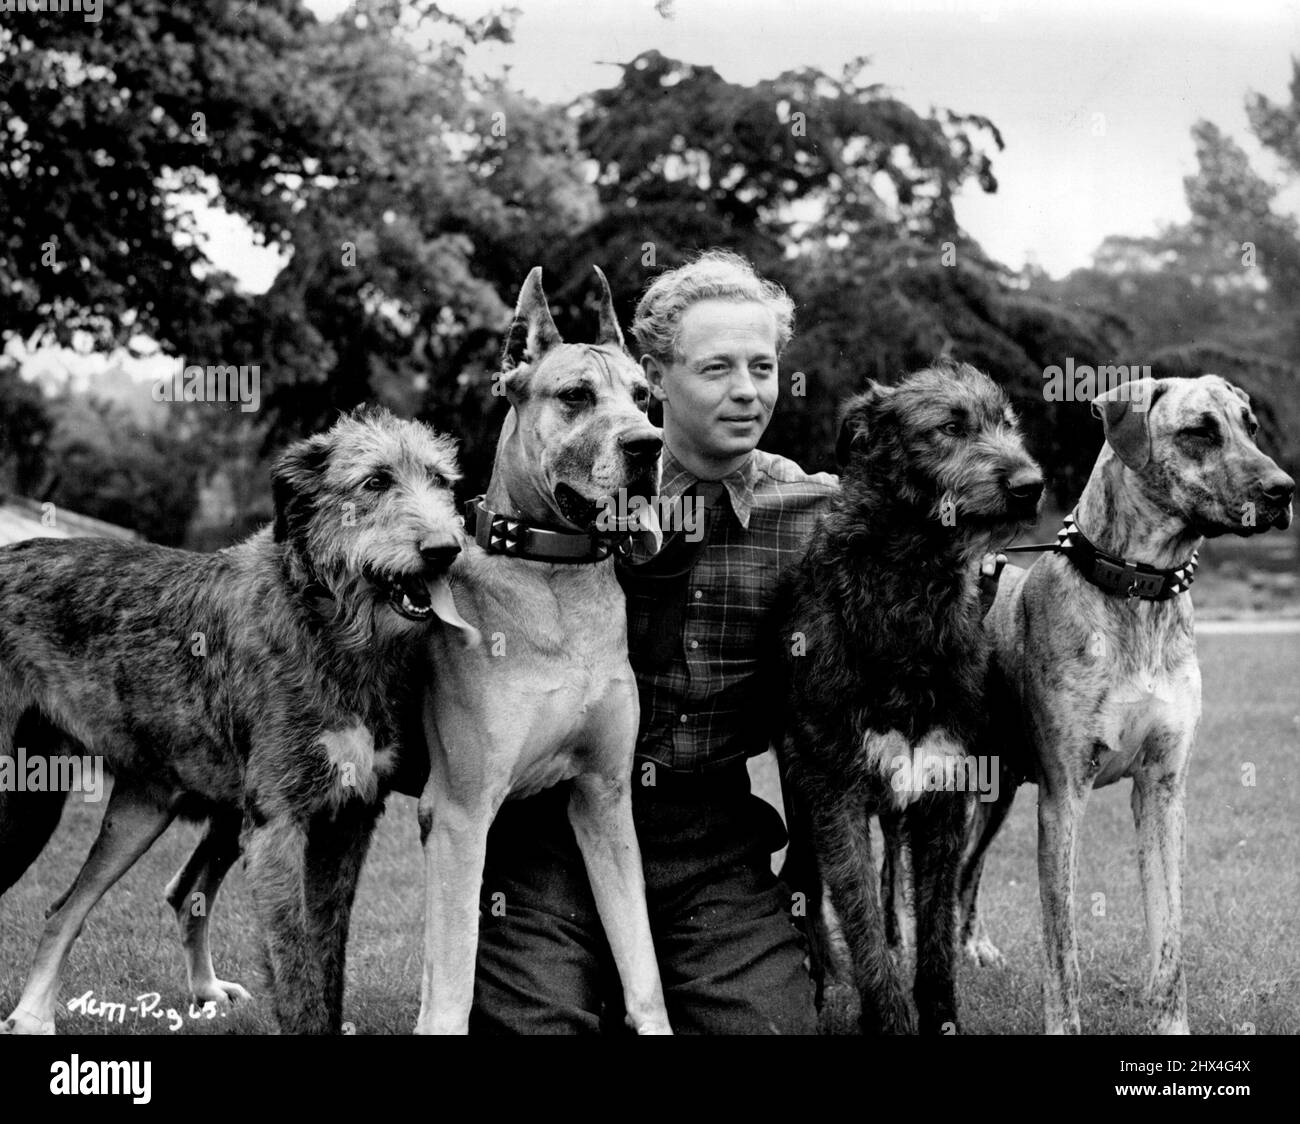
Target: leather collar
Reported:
point(1113, 574)
point(518, 538)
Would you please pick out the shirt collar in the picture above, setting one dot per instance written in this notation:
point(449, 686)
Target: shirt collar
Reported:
point(674, 479)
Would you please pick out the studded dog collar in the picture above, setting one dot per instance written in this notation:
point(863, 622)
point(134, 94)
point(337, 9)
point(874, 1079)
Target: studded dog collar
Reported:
point(517, 538)
point(1113, 574)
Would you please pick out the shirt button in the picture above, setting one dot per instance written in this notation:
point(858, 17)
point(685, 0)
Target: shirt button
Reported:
point(698, 594)
point(695, 644)
point(682, 719)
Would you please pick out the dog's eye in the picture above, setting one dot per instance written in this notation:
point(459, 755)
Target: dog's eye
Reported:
point(575, 395)
point(1252, 426)
point(1199, 433)
point(379, 482)
point(952, 429)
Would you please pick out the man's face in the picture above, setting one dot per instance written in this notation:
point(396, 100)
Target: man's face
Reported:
point(720, 390)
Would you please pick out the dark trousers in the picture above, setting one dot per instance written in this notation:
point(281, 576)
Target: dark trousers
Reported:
point(730, 956)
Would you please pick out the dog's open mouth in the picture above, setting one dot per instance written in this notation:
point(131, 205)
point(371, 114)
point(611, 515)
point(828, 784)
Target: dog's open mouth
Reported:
point(422, 596)
point(576, 508)
point(410, 596)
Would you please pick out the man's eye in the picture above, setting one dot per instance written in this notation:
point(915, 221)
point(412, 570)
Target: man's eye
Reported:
point(379, 482)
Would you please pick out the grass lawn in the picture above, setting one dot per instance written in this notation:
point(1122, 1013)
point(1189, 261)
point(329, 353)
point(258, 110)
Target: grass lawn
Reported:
point(1242, 896)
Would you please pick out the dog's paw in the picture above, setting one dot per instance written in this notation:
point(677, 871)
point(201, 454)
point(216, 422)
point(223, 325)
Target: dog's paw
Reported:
point(221, 992)
point(983, 953)
point(23, 1022)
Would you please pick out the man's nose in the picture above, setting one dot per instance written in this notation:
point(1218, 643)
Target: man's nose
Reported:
point(743, 388)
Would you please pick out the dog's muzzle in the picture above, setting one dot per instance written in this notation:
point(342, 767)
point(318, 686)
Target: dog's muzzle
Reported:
point(423, 595)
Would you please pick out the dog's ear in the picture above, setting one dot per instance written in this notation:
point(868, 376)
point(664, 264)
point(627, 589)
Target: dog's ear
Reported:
point(856, 417)
point(533, 332)
point(1125, 413)
point(610, 332)
point(294, 480)
point(1239, 392)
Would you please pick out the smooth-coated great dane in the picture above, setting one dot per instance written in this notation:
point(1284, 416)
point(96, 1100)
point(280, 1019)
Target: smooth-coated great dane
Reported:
point(1094, 648)
point(550, 695)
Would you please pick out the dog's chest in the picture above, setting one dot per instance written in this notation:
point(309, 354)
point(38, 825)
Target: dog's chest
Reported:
point(551, 678)
point(1140, 672)
point(900, 771)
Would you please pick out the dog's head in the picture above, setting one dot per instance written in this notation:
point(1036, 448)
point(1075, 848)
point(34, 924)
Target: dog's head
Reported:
point(1190, 445)
point(946, 443)
point(368, 511)
point(577, 434)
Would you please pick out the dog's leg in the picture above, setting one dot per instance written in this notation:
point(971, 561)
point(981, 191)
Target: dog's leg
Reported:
point(1159, 817)
point(600, 809)
point(1060, 809)
point(130, 827)
point(192, 894)
point(336, 851)
point(987, 818)
point(27, 819)
point(455, 849)
point(896, 881)
point(937, 829)
point(842, 830)
point(276, 850)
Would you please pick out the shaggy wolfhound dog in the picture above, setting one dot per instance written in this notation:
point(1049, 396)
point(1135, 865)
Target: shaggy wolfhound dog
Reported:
point(887, 659)
point(262, 686)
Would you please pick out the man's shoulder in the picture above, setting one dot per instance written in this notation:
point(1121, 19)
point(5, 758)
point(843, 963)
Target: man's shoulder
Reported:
point(776, 471)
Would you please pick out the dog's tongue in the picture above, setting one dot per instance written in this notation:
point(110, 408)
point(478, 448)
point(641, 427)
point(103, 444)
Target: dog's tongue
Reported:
point(444, 608)
point(645, 525)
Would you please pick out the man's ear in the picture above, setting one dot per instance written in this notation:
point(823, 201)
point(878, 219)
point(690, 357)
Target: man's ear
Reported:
point(1125, 413)
point(856, 419)
point(533, 332)
point(654, 373)
point(295, 481)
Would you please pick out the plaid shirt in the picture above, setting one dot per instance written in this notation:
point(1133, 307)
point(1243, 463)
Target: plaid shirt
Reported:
point(705, 708)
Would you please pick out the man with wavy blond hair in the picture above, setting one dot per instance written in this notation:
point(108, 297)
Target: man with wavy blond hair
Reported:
point(731, 958)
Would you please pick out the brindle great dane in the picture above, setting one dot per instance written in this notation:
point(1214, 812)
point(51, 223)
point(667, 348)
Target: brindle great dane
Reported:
point(1099, 659)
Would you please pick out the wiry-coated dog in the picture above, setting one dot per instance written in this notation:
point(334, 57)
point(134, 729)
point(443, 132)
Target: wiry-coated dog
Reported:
point(549, 697)
point(262, 684)
point(1095, 656)
point(887, 658)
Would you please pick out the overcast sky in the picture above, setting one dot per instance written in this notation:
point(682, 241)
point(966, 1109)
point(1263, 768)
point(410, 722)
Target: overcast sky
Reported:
point(1040, 70)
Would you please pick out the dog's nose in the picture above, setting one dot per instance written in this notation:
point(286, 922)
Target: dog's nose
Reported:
point(1026, 485)
point(640, 448)
point(1278, 488)
point(440, 556)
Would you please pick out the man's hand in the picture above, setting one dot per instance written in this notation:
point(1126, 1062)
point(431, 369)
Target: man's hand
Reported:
point(990, 571)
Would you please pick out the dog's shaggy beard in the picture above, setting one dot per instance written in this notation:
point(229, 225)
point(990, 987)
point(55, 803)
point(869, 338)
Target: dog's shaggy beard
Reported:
point(364, 648)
